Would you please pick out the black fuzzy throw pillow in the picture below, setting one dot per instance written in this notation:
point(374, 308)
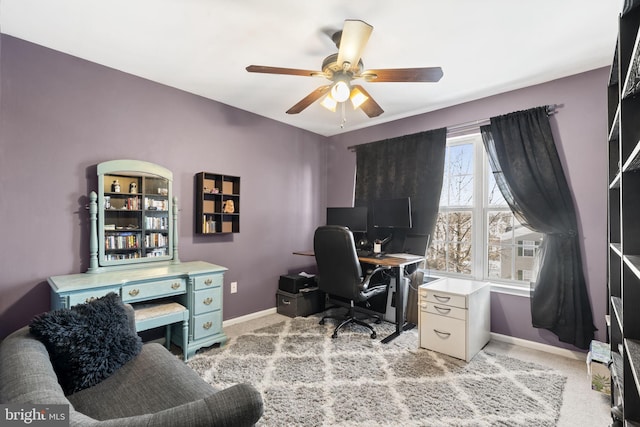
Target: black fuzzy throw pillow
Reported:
point(87, 342)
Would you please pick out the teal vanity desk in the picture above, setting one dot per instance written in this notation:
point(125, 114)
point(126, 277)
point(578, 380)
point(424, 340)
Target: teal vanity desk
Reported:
point(196, 286)
point(133, 251)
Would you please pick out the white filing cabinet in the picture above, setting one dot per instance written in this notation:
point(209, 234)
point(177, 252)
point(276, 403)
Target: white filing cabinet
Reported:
point(454, 317)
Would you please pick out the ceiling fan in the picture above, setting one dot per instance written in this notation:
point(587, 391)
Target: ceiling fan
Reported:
point(345, 66)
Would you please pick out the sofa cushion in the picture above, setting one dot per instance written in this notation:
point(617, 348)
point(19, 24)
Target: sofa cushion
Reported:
point(87, 342)
point(153, 381)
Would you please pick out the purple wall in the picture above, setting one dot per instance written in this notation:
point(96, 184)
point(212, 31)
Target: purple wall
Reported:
point(580, 129)
point(60, 116)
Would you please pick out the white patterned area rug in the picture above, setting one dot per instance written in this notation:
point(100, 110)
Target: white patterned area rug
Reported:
point(309, 379)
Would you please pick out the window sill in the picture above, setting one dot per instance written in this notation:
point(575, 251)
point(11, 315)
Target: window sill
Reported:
point(503, 288)
point(498, 287)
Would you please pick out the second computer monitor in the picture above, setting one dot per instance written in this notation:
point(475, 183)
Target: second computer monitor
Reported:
point(355, 219)
point(392, 213)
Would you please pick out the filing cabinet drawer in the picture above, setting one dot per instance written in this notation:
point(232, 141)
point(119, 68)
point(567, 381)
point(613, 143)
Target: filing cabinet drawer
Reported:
point(207, 324)
point(300, 304)
point(150, 290)
point(445, 298)
point(444, 310)
point(88, 296)
point(443, 334)
point(207, 300)
point(207, 281)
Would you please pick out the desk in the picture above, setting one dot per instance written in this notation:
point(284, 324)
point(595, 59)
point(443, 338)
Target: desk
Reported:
point(397, 264)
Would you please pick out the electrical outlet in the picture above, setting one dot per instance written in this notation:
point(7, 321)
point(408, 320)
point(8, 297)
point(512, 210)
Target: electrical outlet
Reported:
point(234, 287)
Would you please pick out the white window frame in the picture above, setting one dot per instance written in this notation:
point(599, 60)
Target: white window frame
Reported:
point(480, 213)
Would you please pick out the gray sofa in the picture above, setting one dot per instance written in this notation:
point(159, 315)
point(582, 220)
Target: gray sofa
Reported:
point(154, 389)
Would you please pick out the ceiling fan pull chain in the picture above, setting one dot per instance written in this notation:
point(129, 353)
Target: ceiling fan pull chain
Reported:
point(344, 115)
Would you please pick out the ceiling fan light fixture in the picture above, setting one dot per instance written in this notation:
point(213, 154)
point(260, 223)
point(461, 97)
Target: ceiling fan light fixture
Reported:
point(357, 98)
point(340, 91)
point(329, 103)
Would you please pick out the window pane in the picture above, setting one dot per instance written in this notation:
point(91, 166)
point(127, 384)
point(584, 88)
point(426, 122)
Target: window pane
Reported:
point(459, 227)
point(500, 227)
point(512, 247)
point(450, 248)
point(457, 189)
point(494, 195)
point(459, 258)
point(437, 256)
point(500, 262)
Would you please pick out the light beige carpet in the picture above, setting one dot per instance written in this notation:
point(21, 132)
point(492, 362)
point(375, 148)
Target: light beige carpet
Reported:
point(309, 379)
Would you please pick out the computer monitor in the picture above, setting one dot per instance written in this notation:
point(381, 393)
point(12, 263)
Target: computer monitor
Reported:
point(392, 213)
point(355, 219)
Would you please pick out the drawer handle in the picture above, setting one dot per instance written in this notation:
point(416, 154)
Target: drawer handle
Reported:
point(286, 301)
point(442, 334)
point(442, 310)
point(424, 305)
point(208, 282)
point(134, 292)
point(207, 325)
point(442, 299)
point(175, 285)
point(207, 301)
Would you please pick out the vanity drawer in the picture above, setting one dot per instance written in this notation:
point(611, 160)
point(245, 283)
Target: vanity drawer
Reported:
point(207, 300)
point(151, 290)
point(444, 310)
point(443, 334)
point(444, 298)
point(207, 281)
point(207, 324)
point(88, 296)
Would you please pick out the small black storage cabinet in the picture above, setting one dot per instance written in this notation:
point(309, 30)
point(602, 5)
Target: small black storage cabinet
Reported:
point(307, 301)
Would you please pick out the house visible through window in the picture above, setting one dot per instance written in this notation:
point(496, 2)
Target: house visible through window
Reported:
point(476, 234)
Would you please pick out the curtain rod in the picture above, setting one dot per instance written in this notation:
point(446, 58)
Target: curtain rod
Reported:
point(462, 128)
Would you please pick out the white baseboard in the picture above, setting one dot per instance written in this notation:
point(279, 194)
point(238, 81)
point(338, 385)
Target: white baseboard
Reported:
point(250, 316)
point(570, 354)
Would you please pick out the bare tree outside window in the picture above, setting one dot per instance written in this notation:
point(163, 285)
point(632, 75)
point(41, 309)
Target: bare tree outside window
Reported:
point(451, 247)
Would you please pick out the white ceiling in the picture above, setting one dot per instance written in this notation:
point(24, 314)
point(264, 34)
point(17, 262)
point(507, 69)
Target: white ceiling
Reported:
point(203, 46)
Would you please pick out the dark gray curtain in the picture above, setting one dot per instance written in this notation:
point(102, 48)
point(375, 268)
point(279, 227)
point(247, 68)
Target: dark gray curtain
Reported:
point(526, 166)
point(629, 5)
point(410, 165)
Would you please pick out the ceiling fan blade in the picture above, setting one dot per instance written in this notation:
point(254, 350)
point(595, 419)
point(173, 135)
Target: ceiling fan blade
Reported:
point(309, 99)
point(427, 74)
point(355, 35)
point(280, 70)
point(370, 107)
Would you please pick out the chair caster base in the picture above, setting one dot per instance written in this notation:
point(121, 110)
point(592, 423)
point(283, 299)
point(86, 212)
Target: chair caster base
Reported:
point(321, 322)
point(334, 335)
point(373, 335)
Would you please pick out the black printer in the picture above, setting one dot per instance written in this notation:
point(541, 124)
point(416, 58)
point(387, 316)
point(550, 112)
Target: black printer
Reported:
point(293, 283)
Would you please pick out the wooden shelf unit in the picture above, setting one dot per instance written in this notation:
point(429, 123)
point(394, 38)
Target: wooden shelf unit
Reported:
point(214, 193)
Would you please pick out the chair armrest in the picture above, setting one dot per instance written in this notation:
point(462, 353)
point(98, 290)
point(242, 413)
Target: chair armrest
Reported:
point(236, 406)
point(367, 280)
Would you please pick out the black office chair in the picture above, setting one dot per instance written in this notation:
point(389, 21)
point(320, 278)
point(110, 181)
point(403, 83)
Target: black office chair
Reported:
point(340, 273)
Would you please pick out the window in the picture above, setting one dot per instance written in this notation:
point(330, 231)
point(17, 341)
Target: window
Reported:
point(476, 234)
